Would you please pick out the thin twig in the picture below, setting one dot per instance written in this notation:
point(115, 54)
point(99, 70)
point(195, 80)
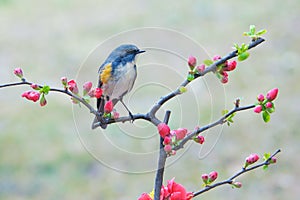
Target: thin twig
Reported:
point(242, 171)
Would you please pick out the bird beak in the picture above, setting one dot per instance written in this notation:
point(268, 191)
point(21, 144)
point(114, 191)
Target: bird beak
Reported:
point(140, 51)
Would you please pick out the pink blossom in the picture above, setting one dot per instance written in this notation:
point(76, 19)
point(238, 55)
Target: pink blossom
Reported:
point(18, 72)
point(31, 95)
point(167, 140)
point(257, 109)
point(252, 159)
point(260, 98)
point(87, 86)
point(192, 61)
point(73, 86)
point(216, 57)
point(212, 176)
point(200, 139)
point(200, 68)
point(168, 148)
point(64, 81)
point(272, 94)
point(180, 133)
point(34, 86)
point(269, 105)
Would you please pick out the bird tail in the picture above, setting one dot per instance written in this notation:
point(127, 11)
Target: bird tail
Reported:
point(98, 121)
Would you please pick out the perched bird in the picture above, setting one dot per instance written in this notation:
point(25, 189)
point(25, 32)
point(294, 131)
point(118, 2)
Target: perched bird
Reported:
point(116, 78)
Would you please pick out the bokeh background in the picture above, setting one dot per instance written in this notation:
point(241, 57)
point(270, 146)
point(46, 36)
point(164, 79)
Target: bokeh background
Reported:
point(42, 152)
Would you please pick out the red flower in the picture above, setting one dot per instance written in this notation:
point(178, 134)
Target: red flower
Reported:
point(73, 86)
point(231, 65)
point(98, 92)
point(144, 196)
point(163, 129)
point(108, 107)
point(272, 94)
point(31, 95)
point(199, 139)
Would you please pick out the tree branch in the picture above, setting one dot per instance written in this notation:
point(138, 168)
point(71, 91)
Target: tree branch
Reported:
point(242, 171)
point(220, 121)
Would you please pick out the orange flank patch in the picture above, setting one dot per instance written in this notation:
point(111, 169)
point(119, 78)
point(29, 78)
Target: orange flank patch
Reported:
point(106, 73)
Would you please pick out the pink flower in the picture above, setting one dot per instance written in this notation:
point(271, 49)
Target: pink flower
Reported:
point(168, 148)
point(272, 94)
point(273, 160)
point(144, 196)
point(87, 86)
point(177, 191)
point(212, 176)
point(204, 178)
point(251, 159)
point(192, 61)
point(108, 107)
point(64, 81)
point(216, 57)
point(258, 109)
point(260, 98)
point(34, 86)
point(98, 93)
point(201, 68)
point(180, 133)
point(31, 95)
point(163, 129)
point(73, 86)
point(269, 105)
point(116, 115)
point(18, 72)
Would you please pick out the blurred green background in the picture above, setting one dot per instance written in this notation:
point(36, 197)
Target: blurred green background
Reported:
point(41, 155)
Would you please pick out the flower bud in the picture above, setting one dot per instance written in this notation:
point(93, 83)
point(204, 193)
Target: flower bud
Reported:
point(43, 100)
point(192, 61)
point(200, 68)
point(168, 148)
point(163, 129)
point(167, 140)
point(212, 176)
point(260, 98)
point(199, 139)
point(180, 133)
point(18, 72)
point(269, 105)
point(87, 87)
point(64, 81)
point(237, 184)
point(231, 65)
point(257, 109)
point(273, 160)
point(31, 95)
point(98, 93)
point(216, 57)
point(204, 178)
point(116, 115)
point(145, 196)
point(272, 94)
point(224, 79)
point(73, 86)
point(251, 159)
point(108, 107)
point(34, 86)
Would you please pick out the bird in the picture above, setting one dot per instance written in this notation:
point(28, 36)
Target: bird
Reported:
point(117, 75)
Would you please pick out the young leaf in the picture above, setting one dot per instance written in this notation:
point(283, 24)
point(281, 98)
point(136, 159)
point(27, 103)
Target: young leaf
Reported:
point(261, 32)
point(208, 62)
point(45, 89)
point(266, 116)
point(266, 156)
point(265, 167)
point(252, 29)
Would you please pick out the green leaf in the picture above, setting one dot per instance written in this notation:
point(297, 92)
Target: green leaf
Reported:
point(243, 56)
point(182, 89)
point(266, 116)
point(261, 32)
point(86, 98)
point(224, 112)
point(266, 156)
point(45, 89)
point(252, 29)
point(208, 62)
point(265, 167)
point(190, 77)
